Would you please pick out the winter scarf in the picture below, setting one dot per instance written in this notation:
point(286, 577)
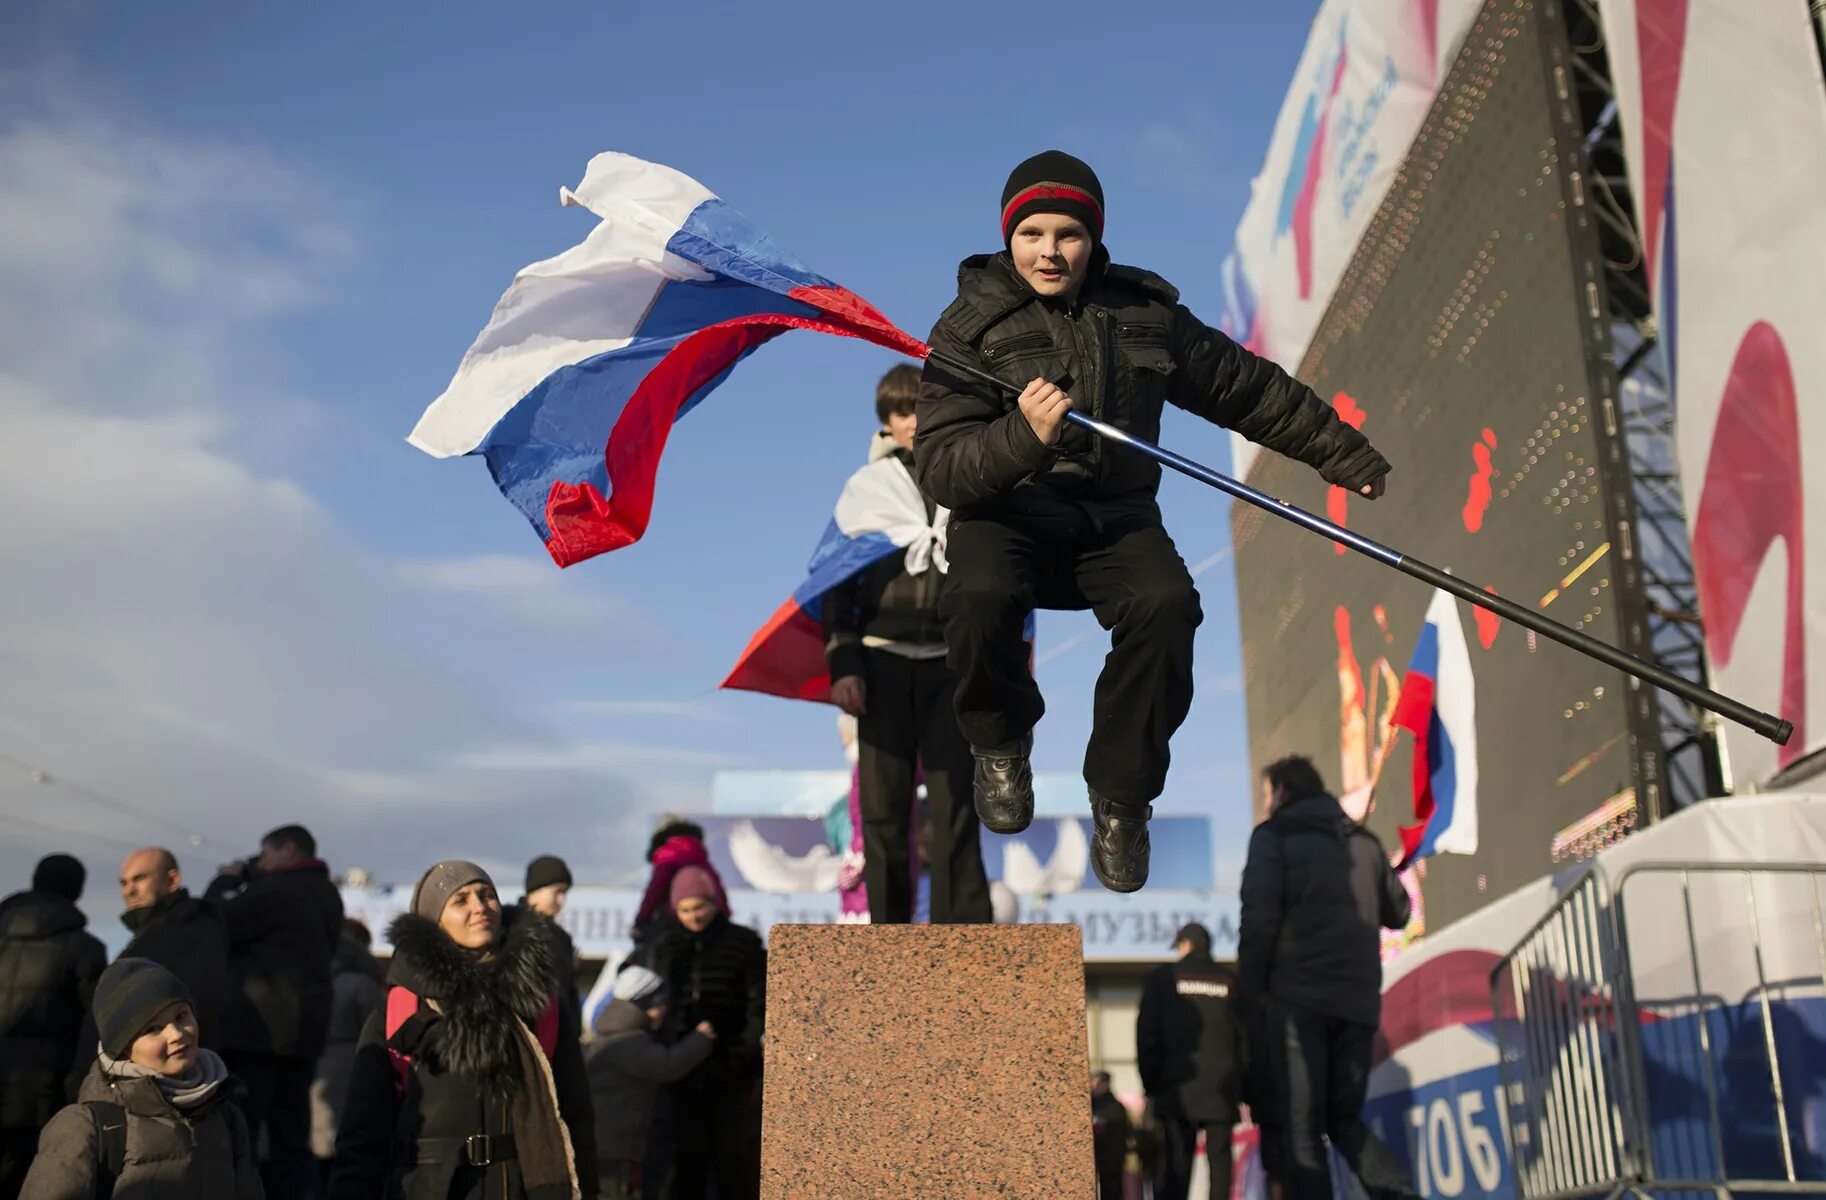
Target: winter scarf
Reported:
point(486, 1006)
point(185, 1091)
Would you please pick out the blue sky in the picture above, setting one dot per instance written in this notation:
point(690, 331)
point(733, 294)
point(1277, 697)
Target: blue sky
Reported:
point(244, 245)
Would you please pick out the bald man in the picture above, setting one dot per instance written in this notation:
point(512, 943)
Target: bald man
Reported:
point(148, 876)
point(171, 927)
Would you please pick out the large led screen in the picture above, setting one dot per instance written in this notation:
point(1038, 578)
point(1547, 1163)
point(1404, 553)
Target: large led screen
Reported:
point(1468, 341)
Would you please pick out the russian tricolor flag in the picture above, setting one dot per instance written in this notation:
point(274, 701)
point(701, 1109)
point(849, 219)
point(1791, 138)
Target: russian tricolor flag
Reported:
point(1438, 706)
point(880, 512)
point(571, 390)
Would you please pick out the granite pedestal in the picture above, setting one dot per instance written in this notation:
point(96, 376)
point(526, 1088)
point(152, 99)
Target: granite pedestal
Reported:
point(926, 1063)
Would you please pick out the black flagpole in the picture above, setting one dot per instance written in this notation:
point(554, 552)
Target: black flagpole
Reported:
point(1766, 724)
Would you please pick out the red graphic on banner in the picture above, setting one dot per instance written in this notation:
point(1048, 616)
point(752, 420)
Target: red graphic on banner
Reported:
point(1661, 37)
point(1753, 496)
point(1477, 493)
point(1306, 199)
point(1337, 507)
point(1429, 35)
point(1487, 623)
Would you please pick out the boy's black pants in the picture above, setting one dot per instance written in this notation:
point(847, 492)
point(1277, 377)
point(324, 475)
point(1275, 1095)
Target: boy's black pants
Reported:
point(1133, 580)
point(910, 719)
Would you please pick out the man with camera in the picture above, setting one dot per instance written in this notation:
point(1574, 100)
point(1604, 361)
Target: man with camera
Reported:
point(284, 917)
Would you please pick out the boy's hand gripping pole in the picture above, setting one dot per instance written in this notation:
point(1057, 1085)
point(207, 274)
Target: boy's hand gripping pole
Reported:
point(1766, 724)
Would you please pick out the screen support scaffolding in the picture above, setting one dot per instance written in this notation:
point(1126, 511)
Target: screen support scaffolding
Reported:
point(1694, 765)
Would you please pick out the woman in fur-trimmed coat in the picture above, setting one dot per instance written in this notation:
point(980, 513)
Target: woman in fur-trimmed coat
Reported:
point(470, 1084)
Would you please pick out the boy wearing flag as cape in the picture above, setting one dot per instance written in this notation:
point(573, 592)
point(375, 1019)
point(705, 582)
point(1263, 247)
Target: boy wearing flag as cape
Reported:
point(1045, 515)
point(884, 643)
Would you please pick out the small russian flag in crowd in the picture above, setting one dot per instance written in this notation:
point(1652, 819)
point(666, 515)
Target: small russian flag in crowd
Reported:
point(571, 390)
point(1438, 705)
point(879, 513)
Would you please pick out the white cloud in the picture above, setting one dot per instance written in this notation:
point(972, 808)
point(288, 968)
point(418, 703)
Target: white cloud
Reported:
point(646, 709)
point(1224, 683)
point(1176, 157)
point(138, 266)
point(202, 640)
point(592, 756)
point(532, 589)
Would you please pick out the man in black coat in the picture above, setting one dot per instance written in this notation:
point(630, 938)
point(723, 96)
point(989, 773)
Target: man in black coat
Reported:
point(1317, 890)
point(48, 970)
point(284, 917)
point(1046, 515)
point(1186, 1041)
point(180, 932)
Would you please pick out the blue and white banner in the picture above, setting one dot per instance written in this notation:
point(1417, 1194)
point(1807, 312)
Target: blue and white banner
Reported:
point(1115, 928)
point(1050, 858)
point(1363, 87)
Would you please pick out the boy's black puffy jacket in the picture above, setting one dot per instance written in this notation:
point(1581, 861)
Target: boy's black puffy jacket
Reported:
point(1124, 349)
point(881, 600)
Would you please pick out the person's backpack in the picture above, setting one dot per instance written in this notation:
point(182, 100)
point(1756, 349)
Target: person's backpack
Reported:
point(110, 1121)
point(402, 1006)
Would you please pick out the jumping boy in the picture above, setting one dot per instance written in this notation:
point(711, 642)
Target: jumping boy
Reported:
point(885, 645)
point(1045, 515)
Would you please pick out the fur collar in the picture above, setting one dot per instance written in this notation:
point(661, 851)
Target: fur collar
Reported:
point(472, 1033)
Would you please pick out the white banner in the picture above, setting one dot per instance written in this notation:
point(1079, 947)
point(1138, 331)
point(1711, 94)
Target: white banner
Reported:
point(1363, 86)
point(1724, 119)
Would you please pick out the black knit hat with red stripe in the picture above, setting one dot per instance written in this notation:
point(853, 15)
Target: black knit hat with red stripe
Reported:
point(1053, 182)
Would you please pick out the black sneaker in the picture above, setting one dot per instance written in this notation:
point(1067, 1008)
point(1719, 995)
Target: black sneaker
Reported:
point(1004, 787)
point(1119, 844)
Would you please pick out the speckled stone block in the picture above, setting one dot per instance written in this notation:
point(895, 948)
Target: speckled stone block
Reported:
point(909, 1062)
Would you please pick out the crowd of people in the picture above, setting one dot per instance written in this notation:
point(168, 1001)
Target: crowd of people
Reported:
point(247, 1043)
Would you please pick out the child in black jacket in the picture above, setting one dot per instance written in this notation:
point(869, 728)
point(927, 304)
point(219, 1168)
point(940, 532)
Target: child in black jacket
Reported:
point(885, 644)
point(1045, 515)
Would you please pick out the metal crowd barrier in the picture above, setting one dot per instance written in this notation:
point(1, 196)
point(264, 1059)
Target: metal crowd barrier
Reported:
point(1627, 1068)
